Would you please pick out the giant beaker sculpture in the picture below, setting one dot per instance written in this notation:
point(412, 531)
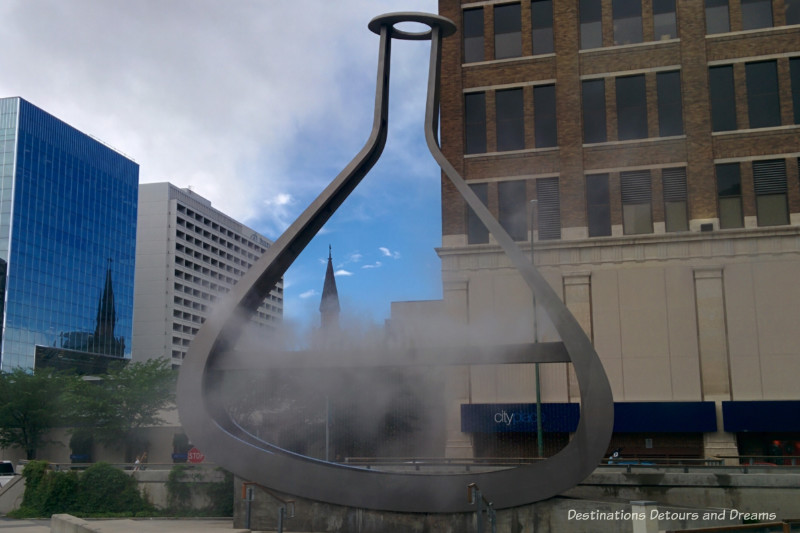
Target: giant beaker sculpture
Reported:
point(226, 443)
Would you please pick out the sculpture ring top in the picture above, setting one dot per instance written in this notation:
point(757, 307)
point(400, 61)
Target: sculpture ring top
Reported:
point(445, 25)
point(212, 429)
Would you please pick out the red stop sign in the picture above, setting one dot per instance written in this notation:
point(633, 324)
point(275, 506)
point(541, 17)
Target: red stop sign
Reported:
point(195, 456)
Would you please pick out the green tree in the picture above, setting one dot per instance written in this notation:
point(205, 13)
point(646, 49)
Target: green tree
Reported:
point(125, 399)
point(30, 405)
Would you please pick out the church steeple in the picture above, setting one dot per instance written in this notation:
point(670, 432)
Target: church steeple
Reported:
point(106, 312)
point(329, 305)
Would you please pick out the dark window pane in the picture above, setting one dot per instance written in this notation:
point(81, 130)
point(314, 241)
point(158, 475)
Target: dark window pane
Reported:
point(627, 21)
point(476, 231)
point(512, 206)
point(675, 206)
point(544, 113)
point(510, 120)
point(792, 11)
point(670, 107)
point(769, 181)
point(756, 14)
point(637, 215)
point(598, 206)
point(507, 31)
point(717, 17)
point(473, 35)
point(794, 72)
point(723, 102)
point(475, 122)
point(593, 97)
point(763, 103)
point(665, 24)
point(548, 217)
point(591, 24)
point(729, 189)
point(542, 25)
point(631, 108)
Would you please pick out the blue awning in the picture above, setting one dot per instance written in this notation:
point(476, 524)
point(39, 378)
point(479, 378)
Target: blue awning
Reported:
point(764, 415)
point(518, 417)
point(664, 417)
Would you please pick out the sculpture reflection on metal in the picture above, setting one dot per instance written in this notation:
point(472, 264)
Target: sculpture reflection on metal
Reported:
point(229, 445)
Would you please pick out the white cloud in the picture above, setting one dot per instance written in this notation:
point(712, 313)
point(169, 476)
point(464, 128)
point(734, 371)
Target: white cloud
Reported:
point(308, 294)
point(342, 272)
point(207, 93)
point(376, 264)
point(388, 253)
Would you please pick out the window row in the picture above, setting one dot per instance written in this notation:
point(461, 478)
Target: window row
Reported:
point(207, 259)
point(204, 270)
point(200, 244)
point(769, 191)
point(516, 214)
point(631, 106)
point(636, 199)
point(754, 14)
point(208, 235)
point(509, 115)
point(629, 24)
point(260, 249)
point(762, 83)
point(179, 274)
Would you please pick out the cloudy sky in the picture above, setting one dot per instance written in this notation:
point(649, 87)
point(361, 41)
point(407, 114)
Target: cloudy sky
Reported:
point(257, 105)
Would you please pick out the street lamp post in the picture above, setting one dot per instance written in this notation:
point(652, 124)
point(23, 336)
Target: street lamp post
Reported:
point(539, 436)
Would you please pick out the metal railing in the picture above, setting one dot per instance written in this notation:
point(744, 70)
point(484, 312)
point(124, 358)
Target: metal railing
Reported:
point(765, 460)
point(475, 497)
point(285, 507)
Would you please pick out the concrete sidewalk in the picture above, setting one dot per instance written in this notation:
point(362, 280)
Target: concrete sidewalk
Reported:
point(70, 524)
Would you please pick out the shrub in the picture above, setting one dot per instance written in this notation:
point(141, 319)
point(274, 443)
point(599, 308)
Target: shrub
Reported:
point(105, 489)
point(100, 490)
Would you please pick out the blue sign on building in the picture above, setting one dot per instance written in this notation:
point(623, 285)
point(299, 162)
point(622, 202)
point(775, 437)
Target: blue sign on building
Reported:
point(518, 417)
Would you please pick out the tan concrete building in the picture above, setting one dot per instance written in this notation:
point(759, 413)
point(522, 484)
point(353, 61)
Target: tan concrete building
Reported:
point(660, 140)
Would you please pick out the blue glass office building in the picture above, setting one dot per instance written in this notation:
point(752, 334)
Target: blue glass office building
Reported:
point(67, 241)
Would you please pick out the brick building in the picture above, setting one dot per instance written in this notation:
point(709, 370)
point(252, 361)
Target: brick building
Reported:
point(660, 140)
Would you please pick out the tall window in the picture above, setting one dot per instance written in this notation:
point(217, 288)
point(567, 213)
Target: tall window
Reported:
point(593, 101)
point(670, 106)
point(769, 180)
point(637, 195)
point(598, 206)
point(507, 31)
point(544, 116)
point(763, 102)
point(723, 100)
point(717, 17)
point(794, 74)
point(476, 231)
point(792, 11)
point(591, 24)
point(548, 217)
point(756, 14)
point(542, 25)
point(473, 35)
point(510, 120)
point(627, 21)
point(631, 108)
point(729, 190)
point(512, 206)
point(676, 212)
point(475, 122)
point(665, 23)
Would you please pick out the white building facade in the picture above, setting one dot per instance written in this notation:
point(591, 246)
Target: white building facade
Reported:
point(189, 255)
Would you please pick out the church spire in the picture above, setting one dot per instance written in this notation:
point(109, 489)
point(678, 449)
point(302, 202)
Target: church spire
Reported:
point(106, 312)
point(329, 305)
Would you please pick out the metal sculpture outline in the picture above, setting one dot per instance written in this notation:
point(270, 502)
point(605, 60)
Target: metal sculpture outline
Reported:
point(229, 445)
